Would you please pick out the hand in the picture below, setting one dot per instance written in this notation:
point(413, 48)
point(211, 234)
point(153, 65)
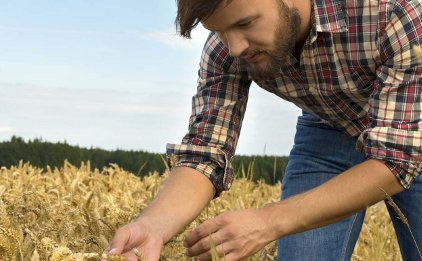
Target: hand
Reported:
point(235, 235)
point(136, 238)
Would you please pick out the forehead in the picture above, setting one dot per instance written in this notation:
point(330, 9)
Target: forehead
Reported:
point(229, 12)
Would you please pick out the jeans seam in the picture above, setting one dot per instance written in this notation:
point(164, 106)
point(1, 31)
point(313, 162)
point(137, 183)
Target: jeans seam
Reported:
point(347, 239)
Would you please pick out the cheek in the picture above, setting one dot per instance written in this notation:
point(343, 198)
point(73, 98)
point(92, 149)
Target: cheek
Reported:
point(263, 35)
point(262, 40)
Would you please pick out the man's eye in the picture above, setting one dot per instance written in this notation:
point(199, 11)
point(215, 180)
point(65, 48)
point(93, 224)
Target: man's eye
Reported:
point(246, 24)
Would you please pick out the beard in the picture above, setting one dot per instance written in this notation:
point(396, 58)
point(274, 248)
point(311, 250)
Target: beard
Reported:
point(284, 43)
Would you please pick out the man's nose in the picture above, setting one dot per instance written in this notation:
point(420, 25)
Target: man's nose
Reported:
point(237, 43)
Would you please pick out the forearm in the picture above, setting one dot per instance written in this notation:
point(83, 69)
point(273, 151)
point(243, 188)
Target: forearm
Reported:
point(183, 196)
point(348, 193)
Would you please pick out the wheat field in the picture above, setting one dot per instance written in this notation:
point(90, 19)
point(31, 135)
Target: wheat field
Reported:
point(70, 213)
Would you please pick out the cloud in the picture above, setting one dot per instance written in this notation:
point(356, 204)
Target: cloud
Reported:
point(83, 101)
point(6, 129)
point(50, 30)
point(171, 38)
point(128, 109)
point(139, 119)
point(168, 37)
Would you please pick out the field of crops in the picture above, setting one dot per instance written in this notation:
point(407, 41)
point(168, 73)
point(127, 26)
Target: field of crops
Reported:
point(70, 213)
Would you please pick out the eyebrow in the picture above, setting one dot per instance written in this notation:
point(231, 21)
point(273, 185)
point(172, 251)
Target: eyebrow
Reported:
point(244, 20)
point(237, 23)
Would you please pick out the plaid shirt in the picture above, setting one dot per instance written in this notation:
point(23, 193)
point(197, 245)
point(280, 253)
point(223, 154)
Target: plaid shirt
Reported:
point(357, 71)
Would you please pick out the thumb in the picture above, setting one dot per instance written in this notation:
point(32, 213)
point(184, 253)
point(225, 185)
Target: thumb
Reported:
point(119, 243)
point(115, 251)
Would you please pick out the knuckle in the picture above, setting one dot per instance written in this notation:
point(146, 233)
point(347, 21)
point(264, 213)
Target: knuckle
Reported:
point(203, 245)
point(224, 218)
point(199, 232)
point(229, 232)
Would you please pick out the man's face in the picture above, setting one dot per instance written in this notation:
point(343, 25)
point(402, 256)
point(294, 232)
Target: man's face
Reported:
point(261, 32)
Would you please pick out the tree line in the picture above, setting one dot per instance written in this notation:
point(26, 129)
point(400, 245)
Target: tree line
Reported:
point(41, 153)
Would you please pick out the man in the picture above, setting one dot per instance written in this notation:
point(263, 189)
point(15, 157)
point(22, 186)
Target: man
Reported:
point(351, 67)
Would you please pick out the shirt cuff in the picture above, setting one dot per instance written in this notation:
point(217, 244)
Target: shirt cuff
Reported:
point(401, 155)
point(404, 172)
point(210, 161)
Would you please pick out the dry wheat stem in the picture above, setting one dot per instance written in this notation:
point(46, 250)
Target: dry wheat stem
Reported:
point(402, 218)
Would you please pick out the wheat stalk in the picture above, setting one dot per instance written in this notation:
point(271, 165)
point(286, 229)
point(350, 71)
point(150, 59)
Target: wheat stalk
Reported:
point(403, 218)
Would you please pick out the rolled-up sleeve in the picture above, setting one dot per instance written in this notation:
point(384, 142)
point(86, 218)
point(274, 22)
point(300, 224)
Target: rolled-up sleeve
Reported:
point(395, 106)
point(217, 114)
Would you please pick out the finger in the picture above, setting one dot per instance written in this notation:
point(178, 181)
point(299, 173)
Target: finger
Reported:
point(232, 256)
point(119, 243)
point(202, 231)
point(149, 251)
point(130, 257)
point(219, 252)
point(208, 243)
point(201, 246)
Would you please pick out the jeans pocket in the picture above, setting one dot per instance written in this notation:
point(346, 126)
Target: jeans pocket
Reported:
point(310, 120)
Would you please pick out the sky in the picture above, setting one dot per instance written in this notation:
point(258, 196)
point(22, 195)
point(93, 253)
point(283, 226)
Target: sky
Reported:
point(113, 75)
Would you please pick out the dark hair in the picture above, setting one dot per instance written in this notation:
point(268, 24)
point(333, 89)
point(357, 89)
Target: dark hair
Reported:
point(191, 12)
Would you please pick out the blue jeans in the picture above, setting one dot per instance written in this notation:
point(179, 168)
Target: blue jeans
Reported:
point(320, 153)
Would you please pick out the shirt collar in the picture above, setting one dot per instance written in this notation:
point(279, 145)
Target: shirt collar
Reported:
point(330, 16)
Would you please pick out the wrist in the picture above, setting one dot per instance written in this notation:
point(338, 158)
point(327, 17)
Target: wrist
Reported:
point(153, 225)
point(274, 221)
point(282, 219)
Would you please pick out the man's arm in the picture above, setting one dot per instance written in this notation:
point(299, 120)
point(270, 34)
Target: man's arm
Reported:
point(182, 198)
point(340, 197)
point(243, 233)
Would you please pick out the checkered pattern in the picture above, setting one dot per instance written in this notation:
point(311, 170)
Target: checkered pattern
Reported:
point(358, 71)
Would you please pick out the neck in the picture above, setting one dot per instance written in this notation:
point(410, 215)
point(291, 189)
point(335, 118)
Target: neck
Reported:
point(304, 8)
